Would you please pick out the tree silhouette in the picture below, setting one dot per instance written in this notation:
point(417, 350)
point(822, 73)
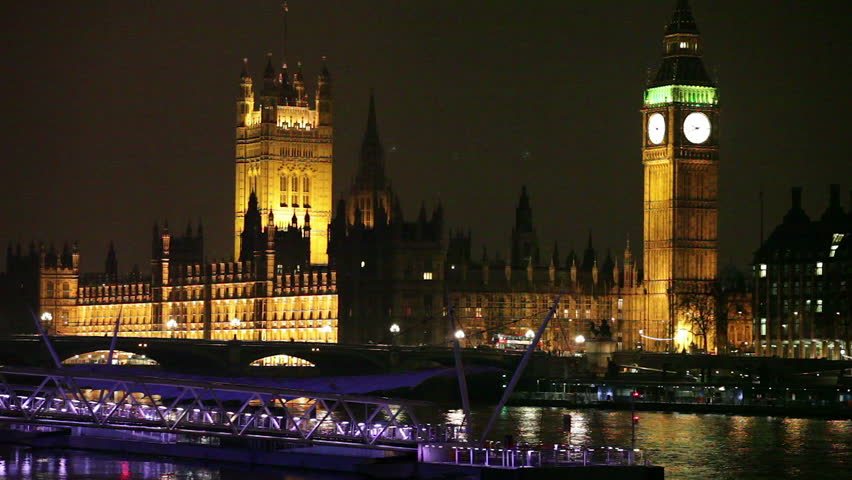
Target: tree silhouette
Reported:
point(697, 302)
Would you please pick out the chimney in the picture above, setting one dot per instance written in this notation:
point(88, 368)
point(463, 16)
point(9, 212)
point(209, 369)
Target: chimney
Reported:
point(797, 198)
point(834, 195)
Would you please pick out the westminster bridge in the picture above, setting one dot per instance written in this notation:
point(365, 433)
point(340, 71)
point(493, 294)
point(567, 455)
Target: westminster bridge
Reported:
point(232, 357)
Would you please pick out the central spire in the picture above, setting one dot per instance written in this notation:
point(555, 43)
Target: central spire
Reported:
point(371, 168)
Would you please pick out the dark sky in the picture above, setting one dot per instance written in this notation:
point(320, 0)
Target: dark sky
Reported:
point(119, 113)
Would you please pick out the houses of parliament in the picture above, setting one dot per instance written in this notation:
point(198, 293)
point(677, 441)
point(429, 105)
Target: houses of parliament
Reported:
point(362, 271)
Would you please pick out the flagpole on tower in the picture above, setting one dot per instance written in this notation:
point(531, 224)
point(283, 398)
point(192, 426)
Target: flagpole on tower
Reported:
point(286, 9)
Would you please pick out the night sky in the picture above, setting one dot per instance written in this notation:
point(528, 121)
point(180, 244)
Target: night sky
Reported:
point(116, 114)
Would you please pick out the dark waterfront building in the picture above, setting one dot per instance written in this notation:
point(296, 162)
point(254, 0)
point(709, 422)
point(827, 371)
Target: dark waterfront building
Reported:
point(391, 272)
point(802, 277)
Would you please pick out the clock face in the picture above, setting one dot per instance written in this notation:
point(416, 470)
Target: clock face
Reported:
point(656, 128)
point(696, 127)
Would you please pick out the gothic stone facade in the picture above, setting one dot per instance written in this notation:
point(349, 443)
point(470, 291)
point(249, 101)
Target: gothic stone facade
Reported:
point(253, 299)
point(284, 152)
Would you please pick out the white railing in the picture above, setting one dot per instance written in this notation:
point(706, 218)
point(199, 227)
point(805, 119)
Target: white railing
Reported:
point(524, 457)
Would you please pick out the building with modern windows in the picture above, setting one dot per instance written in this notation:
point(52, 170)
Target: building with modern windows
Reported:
point(802, 276)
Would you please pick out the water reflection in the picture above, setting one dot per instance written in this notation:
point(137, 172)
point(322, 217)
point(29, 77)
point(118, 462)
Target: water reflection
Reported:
point(694, 446)
point(21, 463)
point(689, 446)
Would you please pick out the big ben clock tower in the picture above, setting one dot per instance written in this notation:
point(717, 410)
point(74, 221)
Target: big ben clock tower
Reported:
point(680, 154)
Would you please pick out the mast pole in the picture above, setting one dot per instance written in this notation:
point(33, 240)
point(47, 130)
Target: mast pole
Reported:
point(460, 369)
point(114, 336)
point(520, 369)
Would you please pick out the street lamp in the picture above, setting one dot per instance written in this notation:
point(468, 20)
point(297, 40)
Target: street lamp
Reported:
point(172, 325)
point(47, 318)
point(394, 330)
point(459, 334)
point(682, 335)
point(579, 339)
point(529, 334)
point(235, 323)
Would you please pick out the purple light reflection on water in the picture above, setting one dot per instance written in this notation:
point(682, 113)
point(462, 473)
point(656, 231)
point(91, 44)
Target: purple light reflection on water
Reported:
point(22, 463)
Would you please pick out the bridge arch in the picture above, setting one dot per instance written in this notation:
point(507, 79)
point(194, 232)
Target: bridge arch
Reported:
point(281, 360)
point(120, 357)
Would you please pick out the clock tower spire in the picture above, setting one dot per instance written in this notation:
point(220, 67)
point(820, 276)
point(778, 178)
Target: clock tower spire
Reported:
point(680, 154)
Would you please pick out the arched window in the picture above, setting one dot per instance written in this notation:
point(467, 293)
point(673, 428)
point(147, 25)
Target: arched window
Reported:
point(306, 192)
point(295, 190)
point(50, 289)
point(283, 191)
point(252, 174)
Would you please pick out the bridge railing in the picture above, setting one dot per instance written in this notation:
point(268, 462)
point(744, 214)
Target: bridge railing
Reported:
point(521, 457)
point(178, 405)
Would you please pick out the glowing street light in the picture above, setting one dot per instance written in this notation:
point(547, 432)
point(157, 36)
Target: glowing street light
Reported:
point(326, 329)
point(580, 339)
point(682, 335)
point(529, 334)
point(235, 322)
point(394, 328)
point(171, 325)
point(459, 334)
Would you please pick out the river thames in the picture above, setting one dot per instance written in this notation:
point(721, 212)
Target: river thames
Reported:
point(690, 446)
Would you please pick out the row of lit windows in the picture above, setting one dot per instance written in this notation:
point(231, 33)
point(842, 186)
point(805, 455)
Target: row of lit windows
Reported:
point(295, 151)
point(50, 287)
point(795, 288)
point(289, 190)
point(817, 269)
point(542, 303)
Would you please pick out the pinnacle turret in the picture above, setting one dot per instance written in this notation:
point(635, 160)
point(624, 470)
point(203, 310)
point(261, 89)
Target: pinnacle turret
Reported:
point(244, 73)
point(589, 256)
point(111, 263)
point(285, 91)
point(269, 91)
point(682, 20)
point(524, 239)
point(523, 213)
point(300, 97)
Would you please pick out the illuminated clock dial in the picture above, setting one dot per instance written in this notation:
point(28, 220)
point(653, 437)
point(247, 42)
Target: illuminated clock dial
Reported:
point(696, 127)
point(656, 128)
